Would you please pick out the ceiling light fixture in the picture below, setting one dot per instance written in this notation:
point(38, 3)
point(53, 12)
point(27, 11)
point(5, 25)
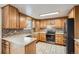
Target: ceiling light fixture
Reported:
point(50, 14)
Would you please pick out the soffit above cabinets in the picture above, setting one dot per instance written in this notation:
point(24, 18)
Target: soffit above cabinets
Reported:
point(35, 10)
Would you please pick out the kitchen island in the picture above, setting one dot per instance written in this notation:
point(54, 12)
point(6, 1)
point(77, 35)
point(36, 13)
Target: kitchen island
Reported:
point(19, 44)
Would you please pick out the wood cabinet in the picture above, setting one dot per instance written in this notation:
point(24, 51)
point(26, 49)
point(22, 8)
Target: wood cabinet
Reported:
point(38, 36)
point(76, 21)
point(74, 13)
point(59, 39)
point(10, 17)
point(71, 14)
point(41, 24)
point(59, 23)
point(5, 17)
point(11, 48)
point(33, 23)
point(42, 36)
point(22, 21)
point(31, 48)
point(44, 23)
point(76, 47)
point(37, 27)
point(13, 17)
point(5, 47)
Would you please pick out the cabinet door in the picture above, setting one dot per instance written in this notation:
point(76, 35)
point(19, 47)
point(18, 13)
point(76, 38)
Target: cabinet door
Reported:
point(38, 37)
point(59, 39)
point(77, 29)
point(22, 21)
point(37, 26)
point(33, 23)
point(5, 47)
point(62, 23)
point(58, 23)
point(42, 24)
point(10, 17)
point(17, 20)
point(5, 17)
point(31, 48)
point(42, 37)
point(13, 19)
point(71, 14)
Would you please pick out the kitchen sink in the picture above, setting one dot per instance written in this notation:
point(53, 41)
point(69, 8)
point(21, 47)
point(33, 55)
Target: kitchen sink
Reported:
point(28, 38)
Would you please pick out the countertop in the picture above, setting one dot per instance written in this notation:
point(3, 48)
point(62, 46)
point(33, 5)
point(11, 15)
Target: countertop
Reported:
point(59, 32)
point(76, 40)
point(19, 39)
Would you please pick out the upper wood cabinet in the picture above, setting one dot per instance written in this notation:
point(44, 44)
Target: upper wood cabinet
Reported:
point(22, 20)
point(37, 27)
point(44, 23)
point(71, 14)
point(33, 23)
point(10, 17)
point(59, 23)
point(41, 23)
point(74, 13)
point(5, 17)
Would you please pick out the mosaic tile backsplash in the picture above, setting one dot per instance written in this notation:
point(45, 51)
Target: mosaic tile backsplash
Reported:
point(9, 32)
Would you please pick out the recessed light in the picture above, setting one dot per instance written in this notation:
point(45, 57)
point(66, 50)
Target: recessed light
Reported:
point(50, 14)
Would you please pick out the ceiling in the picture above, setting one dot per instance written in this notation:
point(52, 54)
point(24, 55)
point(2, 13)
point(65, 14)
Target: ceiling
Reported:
point(35, 10)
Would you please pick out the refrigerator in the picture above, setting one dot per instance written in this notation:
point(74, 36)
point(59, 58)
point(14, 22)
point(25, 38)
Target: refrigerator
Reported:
point(69, 33)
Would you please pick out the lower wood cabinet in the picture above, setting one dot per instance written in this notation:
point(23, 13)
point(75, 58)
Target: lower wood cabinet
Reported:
point(30, 48)
point(42, 36)
point(5, 47)
point(76, 47)
point(59, 39)
point(12, 48)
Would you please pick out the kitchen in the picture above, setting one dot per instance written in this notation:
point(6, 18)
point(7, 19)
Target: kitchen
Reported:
point(24, 34)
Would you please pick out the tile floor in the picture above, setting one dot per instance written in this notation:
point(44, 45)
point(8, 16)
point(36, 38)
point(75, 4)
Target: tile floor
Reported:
point(45, 48)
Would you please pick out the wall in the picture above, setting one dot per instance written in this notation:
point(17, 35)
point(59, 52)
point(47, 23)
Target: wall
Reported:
point(0, 28)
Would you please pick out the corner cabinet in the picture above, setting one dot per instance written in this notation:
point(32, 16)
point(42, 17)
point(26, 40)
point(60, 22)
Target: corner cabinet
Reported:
point(10, 17)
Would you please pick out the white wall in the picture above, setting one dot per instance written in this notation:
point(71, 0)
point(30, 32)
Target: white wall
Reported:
point(0, 28)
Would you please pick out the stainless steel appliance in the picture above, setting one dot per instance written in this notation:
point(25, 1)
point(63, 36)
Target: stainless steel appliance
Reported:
point(50, 36)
